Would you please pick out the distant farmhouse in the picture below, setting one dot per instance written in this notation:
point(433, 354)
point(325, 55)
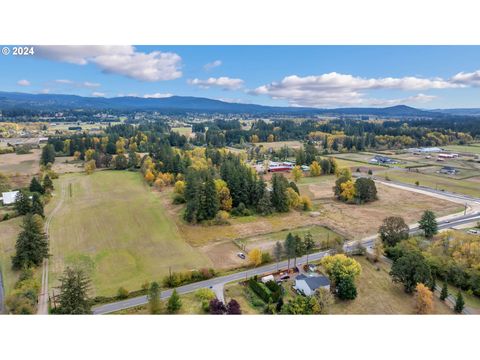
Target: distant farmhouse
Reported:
point(379, 159)
point(447, 156)
point(309, 284)
point(448, 170)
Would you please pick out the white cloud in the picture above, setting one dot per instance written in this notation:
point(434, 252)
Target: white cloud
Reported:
point(472, 78)
point(23, 82)
point(223, 82)
point(121, 60)
point(157, 95)
point(45, 91)
point(211, 65)
point(334, 89)
point(98, 94)
point(84, 84)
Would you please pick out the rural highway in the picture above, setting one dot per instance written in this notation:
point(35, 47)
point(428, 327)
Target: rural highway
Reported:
point(222, 280)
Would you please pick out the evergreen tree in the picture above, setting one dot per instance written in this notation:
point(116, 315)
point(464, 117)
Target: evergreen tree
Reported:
point(444, 293)
point(299, 248)
point(346, 288)
point(294, 187)
point(309, 243)
point(31, 246)
point(428, 223)
point(47, 183)
point(37, 205)
point(174, 303)
point(48, 155)
point(289, 247)
point(154, 298)
point(192, 193)
point(35, 186)
point(209, 203)
point(278, 251)
point(73, 298)
point(264, 206)
point(279, 197)
point(459, 303)
point(22, 203)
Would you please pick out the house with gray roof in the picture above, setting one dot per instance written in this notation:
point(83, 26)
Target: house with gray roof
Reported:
point(309, 283)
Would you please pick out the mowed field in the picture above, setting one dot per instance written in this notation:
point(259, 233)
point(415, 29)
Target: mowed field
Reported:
point(116, 229)
point(279, 144)
point(470, 186)
point(472, 149)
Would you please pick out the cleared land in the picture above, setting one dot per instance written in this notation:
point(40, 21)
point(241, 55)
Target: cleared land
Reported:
point(114, 227)
point(463, 186)
point(186, 131)
point(279, 144)
point(472, 149)
point(67, 164)
point(359, 221)
point(26, 164)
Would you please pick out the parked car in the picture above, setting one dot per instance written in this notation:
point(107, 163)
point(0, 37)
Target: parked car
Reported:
point(241, 255)
point(285, 277)
point(473, 231)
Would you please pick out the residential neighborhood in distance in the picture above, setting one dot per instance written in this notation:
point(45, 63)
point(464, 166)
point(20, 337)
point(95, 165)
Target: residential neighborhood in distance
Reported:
point(239, 180)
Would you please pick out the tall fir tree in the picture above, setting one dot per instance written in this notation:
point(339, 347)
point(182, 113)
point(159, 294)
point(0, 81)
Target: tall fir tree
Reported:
point(48, 155)
point(32, 245)
point(35, 186)
point(279, 197)
point(37, 205)
point(209, 203)
point(444, 292)
point(23, 204)
point(428, 223)
point(73, 298)
point(459, 303)
point(47, 183)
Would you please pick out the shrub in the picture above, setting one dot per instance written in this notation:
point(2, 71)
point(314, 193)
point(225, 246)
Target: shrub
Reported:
point(260, 289)
point(122, 293)
point(266, 257)
point(178, 199)
point(222, 217)
point(180, 278)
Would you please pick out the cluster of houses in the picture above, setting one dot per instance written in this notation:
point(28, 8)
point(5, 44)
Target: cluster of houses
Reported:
point(274, 166)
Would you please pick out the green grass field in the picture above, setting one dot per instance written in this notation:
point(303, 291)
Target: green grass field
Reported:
point(472, 149)
point(9, 231)
point(436, 182)
point(185, 131)
point(114, 227)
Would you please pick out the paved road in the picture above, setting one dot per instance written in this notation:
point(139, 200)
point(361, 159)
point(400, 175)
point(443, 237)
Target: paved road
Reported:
point(222, 280)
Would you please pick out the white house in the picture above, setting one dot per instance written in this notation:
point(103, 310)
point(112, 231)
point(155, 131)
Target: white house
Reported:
point(268, 278)
point(9, 197)
point(309, 283)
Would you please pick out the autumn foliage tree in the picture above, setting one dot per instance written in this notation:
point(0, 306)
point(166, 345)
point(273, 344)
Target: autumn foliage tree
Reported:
point(423, 299)
point(315, 169)
point(297, 173)
point(255, 257)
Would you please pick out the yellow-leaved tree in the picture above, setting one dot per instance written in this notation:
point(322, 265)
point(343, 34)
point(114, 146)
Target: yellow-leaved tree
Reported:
point(224, 195)
point(149, 176)
point(179, 187)
point(297, 173)
point(255, 256)
point(348, 190)
point(315, 169)
point(423, 299)
point(90, 167)
point(293, 198)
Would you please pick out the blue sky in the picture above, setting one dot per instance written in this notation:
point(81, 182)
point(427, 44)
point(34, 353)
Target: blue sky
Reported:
point(321, 76)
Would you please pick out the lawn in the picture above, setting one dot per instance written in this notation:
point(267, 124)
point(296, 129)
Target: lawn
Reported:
point(377, 294)
point(464, 186)
point(113, 226)
point(279, 144)
point(9, 231)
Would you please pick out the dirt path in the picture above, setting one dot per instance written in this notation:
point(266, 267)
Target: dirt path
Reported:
point(43, 297)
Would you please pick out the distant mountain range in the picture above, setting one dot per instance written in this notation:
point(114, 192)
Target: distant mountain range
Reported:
point(182, 104)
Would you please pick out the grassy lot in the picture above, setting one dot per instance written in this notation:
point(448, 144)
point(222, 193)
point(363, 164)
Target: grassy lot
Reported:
point(472, 149)
point(115, 228)
point(353, 165)
point(21, 164)
point(9, 231)
point(266, 242)
point(464, 186)
point(279, 144)
point(186, 131)
point(377, 294)
point(190, 306)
